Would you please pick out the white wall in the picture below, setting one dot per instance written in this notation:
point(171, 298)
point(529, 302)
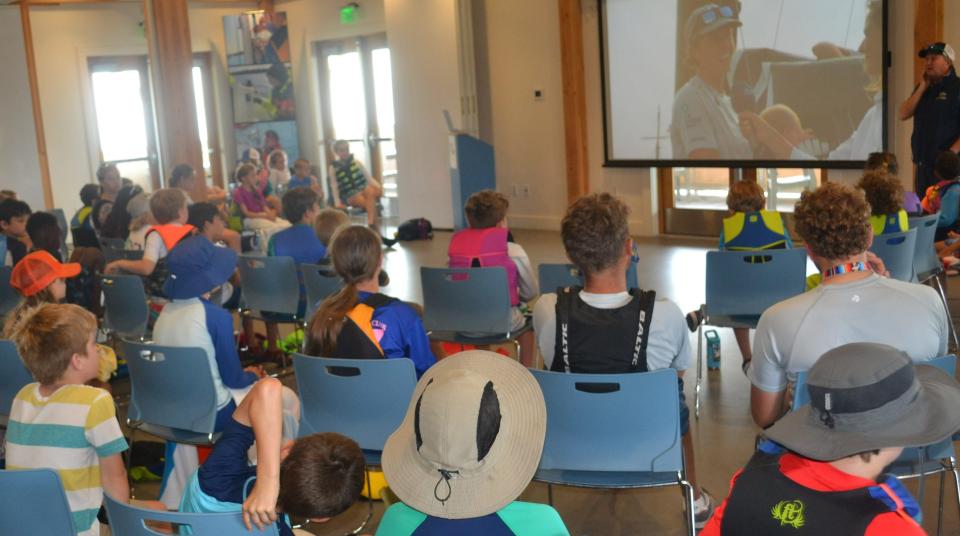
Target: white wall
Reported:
point(18, 138)
point(423, 48)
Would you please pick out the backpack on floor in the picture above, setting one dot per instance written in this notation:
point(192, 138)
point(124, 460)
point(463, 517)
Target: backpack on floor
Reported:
point(415, 229)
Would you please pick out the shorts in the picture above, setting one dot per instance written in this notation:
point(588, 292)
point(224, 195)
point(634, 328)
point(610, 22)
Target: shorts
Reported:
point(346, 192)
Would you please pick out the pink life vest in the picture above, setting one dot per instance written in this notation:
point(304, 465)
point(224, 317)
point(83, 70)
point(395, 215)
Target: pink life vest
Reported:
point(488, 247)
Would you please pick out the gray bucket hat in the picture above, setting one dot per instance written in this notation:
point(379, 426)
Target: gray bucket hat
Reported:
point(866, 396)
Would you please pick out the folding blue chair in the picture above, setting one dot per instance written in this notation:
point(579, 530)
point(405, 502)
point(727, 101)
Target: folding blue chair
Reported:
point(897, 250)
point(468, 306)
point(129, 520)
point(172, 394)
point(554, 276)
point(125, 311)
point(9, 297)
point(270, 285)
point(926, 264)
point(613, 431)
point(363, 399)
point(13, 376)
point(317, 285)
point(914, 462)
point(33, 502)
point(741, 285)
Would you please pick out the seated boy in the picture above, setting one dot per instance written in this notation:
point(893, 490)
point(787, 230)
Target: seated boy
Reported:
point(299, 241)
point(302, 177)
point(486, 243)
point(13, 225)
point(88, 196)
point(944, 196)
point(314, 477)
point(169, 209)
point(821, 466)
point(57, 344)
point(466, 449)
point(885, 195)
point(603, 327)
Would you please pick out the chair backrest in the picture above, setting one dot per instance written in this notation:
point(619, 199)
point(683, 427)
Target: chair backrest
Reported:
point(84, 237)
point(466, 299)
point(897, 252)
point(111, 254)
point(13, 376)
point(61, 222)
point(736, 285)
point(125, 305)
point(947, 363)
point(33, 502)
point(9, 297)
point(925, 260)
point(318, 286)
point(128, 520)
point(364, 399)
point(270, 283)
point(171, 386)
point(115, 243)
point(611, 422)
point(554, 276)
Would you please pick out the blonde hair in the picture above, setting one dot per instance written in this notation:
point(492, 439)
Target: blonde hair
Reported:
point(166, 204)
point(355, 252)
point(28, 302)
point(327, 222)
point(48, 336)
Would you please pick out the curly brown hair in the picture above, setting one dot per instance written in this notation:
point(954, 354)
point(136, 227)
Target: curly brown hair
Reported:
point(745, 196)
point(833, 221)
point(594, 231)
point(486, 208)
point(883, 192)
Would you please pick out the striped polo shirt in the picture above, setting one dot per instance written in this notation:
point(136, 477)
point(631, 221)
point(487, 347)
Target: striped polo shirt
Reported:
point(68, 431)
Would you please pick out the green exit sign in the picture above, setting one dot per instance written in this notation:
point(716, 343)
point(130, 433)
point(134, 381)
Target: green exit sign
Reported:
point(348, 13)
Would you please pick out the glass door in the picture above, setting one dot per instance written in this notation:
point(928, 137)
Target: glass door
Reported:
point(357, 106)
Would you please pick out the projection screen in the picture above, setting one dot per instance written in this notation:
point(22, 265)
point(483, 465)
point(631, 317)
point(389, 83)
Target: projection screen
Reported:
point(743, 83)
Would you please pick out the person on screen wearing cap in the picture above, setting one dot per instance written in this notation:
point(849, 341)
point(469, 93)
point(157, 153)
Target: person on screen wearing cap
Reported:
point(820, 467)
point(705, 126)
point(197, 270)
point(934, 106)
point(467, 448)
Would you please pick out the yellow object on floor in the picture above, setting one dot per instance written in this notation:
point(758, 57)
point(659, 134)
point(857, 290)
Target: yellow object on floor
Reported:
point(108, 363)
point(377, 483)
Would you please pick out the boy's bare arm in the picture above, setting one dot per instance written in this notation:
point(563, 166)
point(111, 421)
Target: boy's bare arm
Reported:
point(113, 478)
point(262, 410)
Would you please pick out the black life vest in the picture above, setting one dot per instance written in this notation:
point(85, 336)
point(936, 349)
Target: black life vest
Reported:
point(602, 341)
point(764, 501)
point(357, 339)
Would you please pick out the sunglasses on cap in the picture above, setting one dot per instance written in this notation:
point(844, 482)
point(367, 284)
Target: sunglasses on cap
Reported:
point(711, 15)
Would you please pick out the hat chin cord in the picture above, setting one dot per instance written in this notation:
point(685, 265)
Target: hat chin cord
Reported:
point(444, 478)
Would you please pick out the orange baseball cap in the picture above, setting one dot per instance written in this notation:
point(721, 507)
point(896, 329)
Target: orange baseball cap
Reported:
point(37, 270)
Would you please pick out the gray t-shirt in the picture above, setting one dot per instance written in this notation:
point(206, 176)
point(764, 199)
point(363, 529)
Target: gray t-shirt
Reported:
point(704, 118)
point(794, 333)
point(667, 347)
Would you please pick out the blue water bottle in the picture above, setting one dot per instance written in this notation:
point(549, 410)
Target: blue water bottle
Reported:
point(713, 349)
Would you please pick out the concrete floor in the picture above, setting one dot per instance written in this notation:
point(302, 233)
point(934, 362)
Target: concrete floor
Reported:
point(723, 436)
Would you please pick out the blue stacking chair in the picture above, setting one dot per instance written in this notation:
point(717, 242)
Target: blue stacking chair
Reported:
point(468, 306)
point(554, 276)
point(13, 376)
point(914, 462)
point(739, 289)
point(125, 311)
point(897, 250)
point(115, 243)
point(172, 394)
point(129, 520)
point(9, 297)
point(270, 284)
point(317, 285)
point(33, 502)
point(926, 264)
point(111, 254)
point(613, 431)
point(363, 399)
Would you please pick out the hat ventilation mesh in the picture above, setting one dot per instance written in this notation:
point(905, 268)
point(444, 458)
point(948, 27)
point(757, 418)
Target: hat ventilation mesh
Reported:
point(488, 421)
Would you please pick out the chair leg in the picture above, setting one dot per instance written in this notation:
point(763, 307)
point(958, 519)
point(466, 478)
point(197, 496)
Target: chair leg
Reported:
point(688, 497)
point(366, 521)
point(696, 396)
point(550, 494)
point(129, 454)
point(940, 507)
point(943, 297)
point(956, 480)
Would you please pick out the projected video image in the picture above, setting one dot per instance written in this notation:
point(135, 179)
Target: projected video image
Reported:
point(771, 80)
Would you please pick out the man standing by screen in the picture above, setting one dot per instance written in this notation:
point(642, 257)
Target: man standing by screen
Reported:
point(935, 108)
point(705, 125)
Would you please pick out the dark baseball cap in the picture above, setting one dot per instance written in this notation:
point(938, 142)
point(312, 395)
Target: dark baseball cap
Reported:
point(940, 48)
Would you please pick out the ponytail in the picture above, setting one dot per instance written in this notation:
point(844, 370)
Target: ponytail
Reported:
point(325, 326)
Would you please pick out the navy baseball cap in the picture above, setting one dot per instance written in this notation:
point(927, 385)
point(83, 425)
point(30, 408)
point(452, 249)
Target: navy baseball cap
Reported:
point(940, 48)
point(197, 267)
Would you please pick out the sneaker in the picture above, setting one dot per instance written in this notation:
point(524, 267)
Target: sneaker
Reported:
point(694, 319)
point(703, 508)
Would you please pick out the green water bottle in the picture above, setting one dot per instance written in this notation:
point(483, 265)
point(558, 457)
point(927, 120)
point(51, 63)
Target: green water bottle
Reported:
point(713, 349)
